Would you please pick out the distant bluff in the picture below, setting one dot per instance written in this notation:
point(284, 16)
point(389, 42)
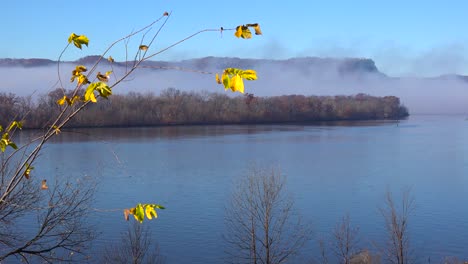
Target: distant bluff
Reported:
point(342, 65)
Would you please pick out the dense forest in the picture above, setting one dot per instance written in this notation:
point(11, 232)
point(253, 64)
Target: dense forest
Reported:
point(174, 107)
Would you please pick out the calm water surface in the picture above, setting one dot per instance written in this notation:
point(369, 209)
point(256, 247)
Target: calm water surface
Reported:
point(331, 170)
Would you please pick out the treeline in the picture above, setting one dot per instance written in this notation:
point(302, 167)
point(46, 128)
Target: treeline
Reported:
point(173, 106)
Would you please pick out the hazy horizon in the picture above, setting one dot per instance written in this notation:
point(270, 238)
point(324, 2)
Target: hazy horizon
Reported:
point(420, 95)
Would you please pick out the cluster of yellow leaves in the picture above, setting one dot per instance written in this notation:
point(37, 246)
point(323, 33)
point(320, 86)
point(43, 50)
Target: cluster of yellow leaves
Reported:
point(77, 74)
point(232, 78)
point(243, 31)
point(78, 40)
point(141, 210)
point(101, 87)
point(5, 141)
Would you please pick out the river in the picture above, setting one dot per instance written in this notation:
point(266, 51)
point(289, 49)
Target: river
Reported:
point(331, 168)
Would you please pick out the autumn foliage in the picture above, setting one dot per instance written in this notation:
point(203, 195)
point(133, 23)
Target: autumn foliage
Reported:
point(173, 106)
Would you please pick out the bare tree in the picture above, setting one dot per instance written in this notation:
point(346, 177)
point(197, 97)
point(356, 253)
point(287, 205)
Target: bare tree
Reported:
point(344, 246)
point(262, 226)
point(60, 232)
point(345, 240)
point(136, 247)
point(396, 223)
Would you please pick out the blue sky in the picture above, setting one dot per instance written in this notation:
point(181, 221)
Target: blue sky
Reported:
point(403, 37)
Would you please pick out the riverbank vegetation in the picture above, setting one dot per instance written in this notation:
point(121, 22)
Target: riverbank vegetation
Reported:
point(173, 106)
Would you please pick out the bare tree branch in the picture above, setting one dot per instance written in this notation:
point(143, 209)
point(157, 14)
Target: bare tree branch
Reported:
point(398, 249)
point(261, 222)
point(345, 240)
point(61, 231)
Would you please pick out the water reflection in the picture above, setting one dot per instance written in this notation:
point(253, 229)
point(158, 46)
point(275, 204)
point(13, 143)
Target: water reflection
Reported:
point(179, 132)
point(331, 170)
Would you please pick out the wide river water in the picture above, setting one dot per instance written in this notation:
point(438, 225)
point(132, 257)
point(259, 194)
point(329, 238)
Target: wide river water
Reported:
point(331, 169)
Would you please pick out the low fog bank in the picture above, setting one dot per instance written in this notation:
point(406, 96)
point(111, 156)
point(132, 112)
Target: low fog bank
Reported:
point(420, 95)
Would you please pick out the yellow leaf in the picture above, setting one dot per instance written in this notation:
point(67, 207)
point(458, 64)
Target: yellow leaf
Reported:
point(62, 100)
point(27, 171)
point(126, 214)
point(89, 94)
point(257, 29)
point(233, 78)
point(237, 84)
point(78, 40)
point(15, 124)
point(92, 98)
point(150, 212)
point(77, 73)
point(26, 174)
point(56, 130)
point(72, 37)
point(73, 100)
point(110, 59)
point(143, 47)
point(82, 79)
point(82, 39)
point(249, 75)
point(232, 71)
point(217, 79)
point(246, 34)
point(67, 100)
point(102, 77)
point(226, 81)
point(80, 68)
point(139, 213)
point(238, 32)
